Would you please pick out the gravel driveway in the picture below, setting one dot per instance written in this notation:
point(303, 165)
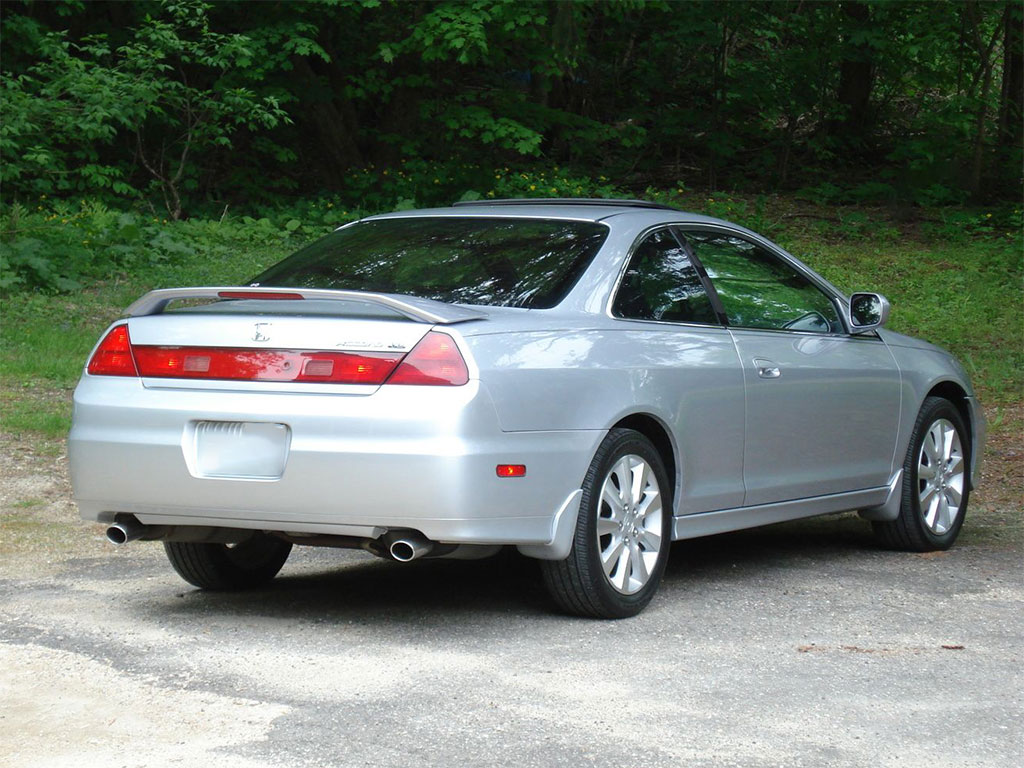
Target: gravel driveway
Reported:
point(798, 645)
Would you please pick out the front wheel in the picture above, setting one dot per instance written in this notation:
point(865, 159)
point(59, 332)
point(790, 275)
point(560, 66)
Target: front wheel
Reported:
point(935, 482)
point(249, 563)
point(623, 532)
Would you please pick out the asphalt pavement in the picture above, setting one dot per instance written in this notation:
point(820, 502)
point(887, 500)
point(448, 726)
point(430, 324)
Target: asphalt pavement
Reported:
point(796, 645)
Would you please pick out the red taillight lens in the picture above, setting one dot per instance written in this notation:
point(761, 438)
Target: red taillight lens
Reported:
point(113, 357)
point(236, 364)
point(275, 295)
point(434, 361)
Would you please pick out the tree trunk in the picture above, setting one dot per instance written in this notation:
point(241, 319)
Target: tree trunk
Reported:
point(334, 124)
point(856, 79)
point(1011, 114)
point(980, 124)
point(985, 73)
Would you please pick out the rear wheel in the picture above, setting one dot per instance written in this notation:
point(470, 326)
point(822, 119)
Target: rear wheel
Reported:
point(249, 563)
point(623, 532)
point(935, 482)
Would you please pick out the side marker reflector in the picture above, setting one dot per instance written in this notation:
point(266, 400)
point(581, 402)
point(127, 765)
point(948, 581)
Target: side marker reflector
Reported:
point(511, 470)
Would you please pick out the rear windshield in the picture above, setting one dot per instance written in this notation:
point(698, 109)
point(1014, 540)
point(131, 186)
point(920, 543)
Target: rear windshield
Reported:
point(531, 263)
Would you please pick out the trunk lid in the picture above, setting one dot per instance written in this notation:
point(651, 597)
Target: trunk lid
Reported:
point(344, 343)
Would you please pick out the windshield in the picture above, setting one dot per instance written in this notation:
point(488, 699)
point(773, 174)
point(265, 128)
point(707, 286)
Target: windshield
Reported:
point(531, 263)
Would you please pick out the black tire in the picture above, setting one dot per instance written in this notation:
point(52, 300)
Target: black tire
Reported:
point(579, 584)
point(910, 530)
point(250, 563)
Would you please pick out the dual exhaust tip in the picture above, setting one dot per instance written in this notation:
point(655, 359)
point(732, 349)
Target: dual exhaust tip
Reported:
point(403, 548)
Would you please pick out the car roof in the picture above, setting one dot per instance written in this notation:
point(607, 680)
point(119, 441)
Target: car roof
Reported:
point(579, 209)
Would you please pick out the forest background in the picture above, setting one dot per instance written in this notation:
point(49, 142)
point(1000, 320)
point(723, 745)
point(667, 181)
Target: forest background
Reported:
point(146, 144)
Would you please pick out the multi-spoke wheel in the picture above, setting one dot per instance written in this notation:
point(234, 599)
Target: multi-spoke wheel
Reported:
point(249, 563)
point(940, 476)
point(935, 482)
point(623, 532)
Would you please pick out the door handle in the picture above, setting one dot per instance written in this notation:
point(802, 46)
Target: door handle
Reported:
point(766, 369)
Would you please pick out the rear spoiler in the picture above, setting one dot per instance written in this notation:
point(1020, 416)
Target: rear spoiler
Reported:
point(414, 308)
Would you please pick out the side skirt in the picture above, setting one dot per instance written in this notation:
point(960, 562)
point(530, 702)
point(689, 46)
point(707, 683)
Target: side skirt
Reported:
point(724, 520)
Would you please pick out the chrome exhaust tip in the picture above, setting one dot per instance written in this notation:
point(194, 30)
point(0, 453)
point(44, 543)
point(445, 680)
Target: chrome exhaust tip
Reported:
point(125, 530)
point(409, 548)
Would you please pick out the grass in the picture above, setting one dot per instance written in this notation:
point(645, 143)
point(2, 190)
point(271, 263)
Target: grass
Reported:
point(951, 277)
point(965, 298)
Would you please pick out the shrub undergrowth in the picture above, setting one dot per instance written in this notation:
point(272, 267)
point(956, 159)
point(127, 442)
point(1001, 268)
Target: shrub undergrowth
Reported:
point(67, 268)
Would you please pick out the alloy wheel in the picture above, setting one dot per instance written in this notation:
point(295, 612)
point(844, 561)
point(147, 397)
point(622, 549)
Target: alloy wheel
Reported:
point(629, 524)
point(940, 476)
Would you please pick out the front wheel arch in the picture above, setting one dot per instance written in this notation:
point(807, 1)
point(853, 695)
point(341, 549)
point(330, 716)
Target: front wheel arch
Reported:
point(957, 395)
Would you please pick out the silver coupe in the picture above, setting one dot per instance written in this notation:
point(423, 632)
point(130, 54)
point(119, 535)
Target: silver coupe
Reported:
point(584, 380)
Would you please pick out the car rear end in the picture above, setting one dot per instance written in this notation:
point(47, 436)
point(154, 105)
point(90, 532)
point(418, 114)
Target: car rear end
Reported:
point(309, 413)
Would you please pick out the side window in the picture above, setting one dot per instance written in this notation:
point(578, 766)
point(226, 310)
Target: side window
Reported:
point(661, 283)
point(758, 290)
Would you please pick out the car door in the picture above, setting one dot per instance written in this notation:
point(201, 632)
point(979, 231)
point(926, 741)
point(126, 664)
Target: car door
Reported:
point(822, 406)
point(689, 372)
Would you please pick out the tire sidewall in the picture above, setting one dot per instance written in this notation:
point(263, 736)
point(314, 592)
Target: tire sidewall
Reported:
point(933, 409)
point(620, 442)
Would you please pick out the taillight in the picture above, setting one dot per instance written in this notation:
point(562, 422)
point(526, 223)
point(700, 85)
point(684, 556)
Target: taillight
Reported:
point(113, 357)
point(436, 361)
point(241, 364)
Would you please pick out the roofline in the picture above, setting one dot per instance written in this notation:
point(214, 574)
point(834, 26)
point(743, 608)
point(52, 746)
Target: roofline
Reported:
point(605, 201)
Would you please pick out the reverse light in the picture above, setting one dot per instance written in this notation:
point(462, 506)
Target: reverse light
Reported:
point(435, 361)
point(511, 470)
point(113, 357)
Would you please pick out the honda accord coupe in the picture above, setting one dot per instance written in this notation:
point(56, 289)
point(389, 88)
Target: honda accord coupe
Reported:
point(584, 380)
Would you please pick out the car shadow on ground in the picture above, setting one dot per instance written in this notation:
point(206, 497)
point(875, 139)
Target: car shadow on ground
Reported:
point(333, 584)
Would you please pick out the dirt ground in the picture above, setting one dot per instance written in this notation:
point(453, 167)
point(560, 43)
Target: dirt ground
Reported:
point(799, 644)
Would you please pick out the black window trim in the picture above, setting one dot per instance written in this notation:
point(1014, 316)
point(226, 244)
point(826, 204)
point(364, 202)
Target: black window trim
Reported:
point(709, 288)
point(713, 297)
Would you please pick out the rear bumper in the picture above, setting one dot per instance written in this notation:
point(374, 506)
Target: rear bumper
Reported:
point(404, 457)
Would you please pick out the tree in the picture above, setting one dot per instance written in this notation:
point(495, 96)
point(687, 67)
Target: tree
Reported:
point(169, 87)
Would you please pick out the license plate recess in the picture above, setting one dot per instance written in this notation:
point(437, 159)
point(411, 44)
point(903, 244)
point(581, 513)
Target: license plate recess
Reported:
point(240, 450)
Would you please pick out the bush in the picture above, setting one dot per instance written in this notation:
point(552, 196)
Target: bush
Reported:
point(62, 247)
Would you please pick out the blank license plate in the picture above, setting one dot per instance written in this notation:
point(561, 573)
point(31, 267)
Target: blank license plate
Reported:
point(241, 449)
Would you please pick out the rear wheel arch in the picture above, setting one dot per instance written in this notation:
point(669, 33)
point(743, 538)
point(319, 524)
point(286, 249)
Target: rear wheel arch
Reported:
point(654, 430)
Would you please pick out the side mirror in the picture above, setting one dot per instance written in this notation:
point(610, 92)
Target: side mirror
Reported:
point(868, 311)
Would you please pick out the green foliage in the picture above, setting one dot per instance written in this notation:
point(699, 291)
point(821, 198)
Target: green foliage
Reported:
point(192, 106)
point(62, 247)
point(954, 277)
point(168, 88)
